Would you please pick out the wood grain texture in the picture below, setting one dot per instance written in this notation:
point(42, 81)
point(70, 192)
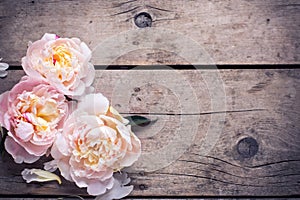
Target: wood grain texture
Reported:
point(259, 104)
point(231, 31)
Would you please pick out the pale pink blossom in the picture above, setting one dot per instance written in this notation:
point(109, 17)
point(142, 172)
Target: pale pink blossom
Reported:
point(33, 113)
point(62, 62)
point(96, 142)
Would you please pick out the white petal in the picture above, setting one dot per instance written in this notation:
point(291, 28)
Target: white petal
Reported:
point(4, 66)
point(49, 36)
point(3, 74)
point(39, 175)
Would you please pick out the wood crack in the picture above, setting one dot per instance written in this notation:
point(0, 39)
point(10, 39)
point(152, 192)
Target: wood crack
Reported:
point(234, 175)
point(231, 183)
point(126, 11)
point(123, 3)
point(247, 166)
point(202, 113)
point(158, 8)
point(273, 163)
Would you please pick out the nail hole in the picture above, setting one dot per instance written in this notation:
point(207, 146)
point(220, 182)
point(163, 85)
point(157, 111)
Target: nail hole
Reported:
point(138, 99)
point(143, 20)
point(143, 187)
point(142, 173)
point(247, 147)
point(137, 89)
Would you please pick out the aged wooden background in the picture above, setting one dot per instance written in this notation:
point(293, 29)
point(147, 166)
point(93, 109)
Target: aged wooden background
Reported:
point(255, 152)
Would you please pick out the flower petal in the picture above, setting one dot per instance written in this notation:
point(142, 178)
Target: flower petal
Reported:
point(98, 187)
point(115, 114)
point(51, 166)
point(133, 153)
point(24, 131)
point(64, 168)
point(3, 106)
point(119, 190)
point(61, 144)
point(124, 131)
point(95, 104)
point(3, 74)
point(39, 175)
point(4, 66)
point(89, 79)
point(19, 153)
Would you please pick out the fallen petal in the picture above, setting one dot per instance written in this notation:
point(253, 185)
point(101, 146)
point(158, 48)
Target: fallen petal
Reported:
point(39, 175)
point(3, 74)
point(4, 66)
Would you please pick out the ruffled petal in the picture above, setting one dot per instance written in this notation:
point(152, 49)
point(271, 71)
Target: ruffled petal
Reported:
point(64, 168)
point(89, 79)
point(24, 131)
point(119, 190)
point(62, 145)
point(133, 153)
point(18, 153)
point(3, 106)
point(97, 187)
point(124, 131)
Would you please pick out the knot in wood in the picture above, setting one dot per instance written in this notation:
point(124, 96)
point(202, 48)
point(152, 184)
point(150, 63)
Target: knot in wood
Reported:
point(143, 20)
point(247, 147)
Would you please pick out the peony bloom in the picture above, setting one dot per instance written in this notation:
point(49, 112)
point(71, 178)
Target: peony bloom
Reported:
point(61, 62)
point(95, 143)
point(32, 112)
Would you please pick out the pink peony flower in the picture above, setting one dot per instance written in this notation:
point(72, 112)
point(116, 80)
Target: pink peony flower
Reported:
point(61, 62)
point(32, 112)
point(95, 143)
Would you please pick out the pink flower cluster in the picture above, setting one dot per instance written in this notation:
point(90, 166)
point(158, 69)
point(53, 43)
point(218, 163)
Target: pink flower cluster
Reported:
point(87, 138)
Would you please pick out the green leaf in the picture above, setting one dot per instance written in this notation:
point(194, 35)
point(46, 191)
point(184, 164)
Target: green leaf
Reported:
point(137, 120)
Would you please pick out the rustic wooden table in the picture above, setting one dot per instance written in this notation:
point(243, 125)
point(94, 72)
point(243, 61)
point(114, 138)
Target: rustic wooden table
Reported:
point(231, 132)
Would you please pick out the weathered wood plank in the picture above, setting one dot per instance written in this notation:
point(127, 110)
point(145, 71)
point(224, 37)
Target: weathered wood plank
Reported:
point(261, 105)
point(231, 31)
